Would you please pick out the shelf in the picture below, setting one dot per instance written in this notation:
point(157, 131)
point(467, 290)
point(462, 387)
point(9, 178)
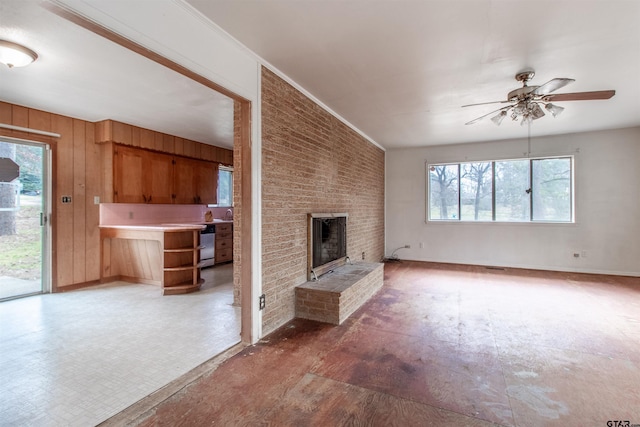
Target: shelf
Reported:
point(184, 250)
point(181, 268)
point(183, 288)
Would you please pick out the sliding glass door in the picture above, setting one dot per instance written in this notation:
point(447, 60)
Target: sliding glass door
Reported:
point(24, 218)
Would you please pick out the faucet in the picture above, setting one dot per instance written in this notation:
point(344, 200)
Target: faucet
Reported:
point(228, 215)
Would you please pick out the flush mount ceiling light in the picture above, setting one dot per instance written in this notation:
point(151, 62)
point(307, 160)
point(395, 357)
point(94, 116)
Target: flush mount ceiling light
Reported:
point(15, 55)
point(526, 101)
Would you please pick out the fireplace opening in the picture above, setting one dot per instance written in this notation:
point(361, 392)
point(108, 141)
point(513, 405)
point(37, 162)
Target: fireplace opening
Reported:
point(327, 246)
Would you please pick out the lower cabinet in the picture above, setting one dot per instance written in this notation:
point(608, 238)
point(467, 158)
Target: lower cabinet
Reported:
point(224, 243)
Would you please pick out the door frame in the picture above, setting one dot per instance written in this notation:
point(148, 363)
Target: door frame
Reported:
point(45, 219)
point(250, 317)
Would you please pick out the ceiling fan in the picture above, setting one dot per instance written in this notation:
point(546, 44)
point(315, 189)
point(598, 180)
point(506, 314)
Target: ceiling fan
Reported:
point(526, 101)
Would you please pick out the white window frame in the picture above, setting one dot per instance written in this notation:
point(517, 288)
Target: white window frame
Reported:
point(428, 166)
point(225, 169)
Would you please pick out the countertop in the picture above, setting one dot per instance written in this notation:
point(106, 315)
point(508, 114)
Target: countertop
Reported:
point(157, 227)
point(183, 226)
point(217, 221)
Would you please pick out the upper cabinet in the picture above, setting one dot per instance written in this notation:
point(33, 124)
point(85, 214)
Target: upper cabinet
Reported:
point(143, 176)
point(144, 166)
point(159, 175)
point(110, 131)
point(128, 167)
point(206, 188)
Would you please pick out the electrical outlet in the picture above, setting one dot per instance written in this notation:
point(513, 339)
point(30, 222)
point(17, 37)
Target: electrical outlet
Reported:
point(262, 302)
point(583, 254)
point(421, 245)
point(576, 255)
point(407, 246)
point(362, 254)
point(66, 199)
point(130, 215)
point(96, 200)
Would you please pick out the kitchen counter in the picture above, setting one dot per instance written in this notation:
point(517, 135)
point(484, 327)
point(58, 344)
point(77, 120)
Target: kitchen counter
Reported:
point(158, 227)
point(159, 254)
point(183, 226)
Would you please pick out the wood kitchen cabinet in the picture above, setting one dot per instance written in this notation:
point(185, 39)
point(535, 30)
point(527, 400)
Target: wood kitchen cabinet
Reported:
point(224, 243)
point(159, 177)
point(128, 175)
point(184, 190)
point(206, 187)
point(143, 176)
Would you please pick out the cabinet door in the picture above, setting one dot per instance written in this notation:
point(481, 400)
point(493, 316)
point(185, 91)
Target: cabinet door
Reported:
point(128, 175)
point(206, 182)
point(158, 177)
point(184, 181)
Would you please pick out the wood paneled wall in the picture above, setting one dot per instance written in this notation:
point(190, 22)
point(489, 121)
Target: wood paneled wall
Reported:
point(77, 171)
point(122, 133)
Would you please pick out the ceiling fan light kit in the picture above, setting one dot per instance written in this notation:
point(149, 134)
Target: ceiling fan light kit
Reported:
point(556, 110)
point(526, 101)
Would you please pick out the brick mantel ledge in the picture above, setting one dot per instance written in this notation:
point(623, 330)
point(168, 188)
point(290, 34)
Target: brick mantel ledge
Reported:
point(336, 295)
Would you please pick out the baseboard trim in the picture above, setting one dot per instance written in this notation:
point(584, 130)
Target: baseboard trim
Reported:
point(536, 267)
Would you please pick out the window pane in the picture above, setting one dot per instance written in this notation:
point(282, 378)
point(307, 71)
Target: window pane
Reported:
point(475, 191)
point(443, 192)
point(551, 189)
point(512, 198)
point(225, 188)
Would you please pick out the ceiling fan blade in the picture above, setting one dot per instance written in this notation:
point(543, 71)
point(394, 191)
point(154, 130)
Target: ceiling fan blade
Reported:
point(486, 115)
point(486, 103)
point(580, 96)
point(552, 85)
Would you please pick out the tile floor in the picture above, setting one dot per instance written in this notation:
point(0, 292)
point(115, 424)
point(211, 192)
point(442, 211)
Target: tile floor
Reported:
point(11, 286)
point(77, 358)
point(439, 345)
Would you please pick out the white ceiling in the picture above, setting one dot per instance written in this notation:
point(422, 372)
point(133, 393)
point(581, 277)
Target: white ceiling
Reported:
point(82, 75)
point(398, 70)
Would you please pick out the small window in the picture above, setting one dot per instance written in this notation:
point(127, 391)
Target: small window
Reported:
point(521, 190)
point(225, 186)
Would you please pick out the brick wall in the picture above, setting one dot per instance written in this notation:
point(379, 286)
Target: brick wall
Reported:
point(311, 162)
point(237, 204)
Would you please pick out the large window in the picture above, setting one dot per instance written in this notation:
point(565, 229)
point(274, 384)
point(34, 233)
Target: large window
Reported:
point(505, 191)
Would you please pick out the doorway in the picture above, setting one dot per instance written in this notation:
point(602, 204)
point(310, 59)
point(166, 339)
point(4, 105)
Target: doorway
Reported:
point(24, 218)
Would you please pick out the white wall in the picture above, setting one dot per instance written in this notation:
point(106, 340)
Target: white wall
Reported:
point(607, 198)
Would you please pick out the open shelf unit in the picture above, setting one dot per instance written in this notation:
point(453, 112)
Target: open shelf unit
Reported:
point(161, 255)
point(181, 271)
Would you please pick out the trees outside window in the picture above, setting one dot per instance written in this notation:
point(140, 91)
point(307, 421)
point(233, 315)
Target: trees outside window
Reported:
point(225, 186)
point(444, 191)
point(476, 189)
point(512, 198)
point(518, 190)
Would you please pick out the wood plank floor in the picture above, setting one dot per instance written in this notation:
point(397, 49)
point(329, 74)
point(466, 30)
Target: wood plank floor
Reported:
point(439, 345)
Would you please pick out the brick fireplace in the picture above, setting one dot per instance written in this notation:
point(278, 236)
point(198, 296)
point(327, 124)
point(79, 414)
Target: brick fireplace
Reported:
point(326, 243)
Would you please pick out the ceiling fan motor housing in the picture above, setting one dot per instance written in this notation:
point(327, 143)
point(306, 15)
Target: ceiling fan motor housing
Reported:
point(521, 93)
